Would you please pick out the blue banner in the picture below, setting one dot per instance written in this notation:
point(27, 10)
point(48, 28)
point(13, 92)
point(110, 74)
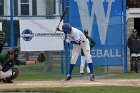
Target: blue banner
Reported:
point(103, 19)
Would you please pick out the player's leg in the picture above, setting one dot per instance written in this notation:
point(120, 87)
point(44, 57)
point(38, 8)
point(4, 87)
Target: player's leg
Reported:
point(86, 50)
point(15, 73)
point(5, 74)
point(138, 55)
point(88, 58)
point(88, 70)
point(136, 65)
point(82, 65)
point(133, 62)
point(75, 53)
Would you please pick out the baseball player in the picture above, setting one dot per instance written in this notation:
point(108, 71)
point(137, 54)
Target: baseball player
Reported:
point(92, 44)
point(8, 70)
point(3, 73)
point(79, 41)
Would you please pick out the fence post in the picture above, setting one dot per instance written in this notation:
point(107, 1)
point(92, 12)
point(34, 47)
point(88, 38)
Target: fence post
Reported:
point(125, 36)
point(11, 25)
point(66, 20)
point(61, 62)
point(48, 64)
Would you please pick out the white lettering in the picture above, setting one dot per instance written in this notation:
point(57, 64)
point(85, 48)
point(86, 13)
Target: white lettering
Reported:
point(93, 53)
point(101, 17)
point(106, 53)
point(99, 53)
point(117, 53)
point(111, 54)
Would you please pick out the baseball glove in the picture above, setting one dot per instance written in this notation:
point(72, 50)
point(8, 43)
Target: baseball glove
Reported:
point(41, 57)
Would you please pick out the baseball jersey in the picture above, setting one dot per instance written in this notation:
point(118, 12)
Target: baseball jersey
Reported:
point(76, 35)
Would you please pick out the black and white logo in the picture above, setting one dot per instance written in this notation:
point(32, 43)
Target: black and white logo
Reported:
point(27, 35)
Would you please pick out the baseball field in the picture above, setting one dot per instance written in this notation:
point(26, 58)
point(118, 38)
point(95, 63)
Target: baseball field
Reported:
point(33, 79)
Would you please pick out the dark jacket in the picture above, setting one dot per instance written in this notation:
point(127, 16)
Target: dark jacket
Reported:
point(1, 47)
point(92, 44)
point(134, 44)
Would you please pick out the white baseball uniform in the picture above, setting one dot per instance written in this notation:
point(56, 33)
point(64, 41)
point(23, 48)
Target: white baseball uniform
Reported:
point(5, 74)
point(77, 35)
point(83, 61)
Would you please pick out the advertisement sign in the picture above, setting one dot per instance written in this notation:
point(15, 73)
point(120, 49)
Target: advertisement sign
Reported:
point(40, 35)
point(103, 19)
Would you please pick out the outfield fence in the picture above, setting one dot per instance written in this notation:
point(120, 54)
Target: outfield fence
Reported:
point(113, 60)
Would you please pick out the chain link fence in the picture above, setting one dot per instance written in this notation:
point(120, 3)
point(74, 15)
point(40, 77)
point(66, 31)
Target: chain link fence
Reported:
point(26, 9)
point(35, 10)
point(11, 11)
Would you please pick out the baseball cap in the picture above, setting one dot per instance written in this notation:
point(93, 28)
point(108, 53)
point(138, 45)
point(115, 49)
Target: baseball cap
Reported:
point(85, 31)
point(134, 30)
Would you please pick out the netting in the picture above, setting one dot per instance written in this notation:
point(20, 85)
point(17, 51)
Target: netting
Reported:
point(53, 9)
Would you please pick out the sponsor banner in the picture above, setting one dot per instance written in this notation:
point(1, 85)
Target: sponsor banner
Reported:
point(40, 35)
point(103, 19)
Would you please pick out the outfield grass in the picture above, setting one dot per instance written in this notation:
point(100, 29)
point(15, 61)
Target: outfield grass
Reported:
point(36, 72)
point(94, 89)
point(123, 76)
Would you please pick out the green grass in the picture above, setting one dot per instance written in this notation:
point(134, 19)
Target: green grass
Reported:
point(104, 89)
point(36, 72)
point(123, 76)
point(39, 77)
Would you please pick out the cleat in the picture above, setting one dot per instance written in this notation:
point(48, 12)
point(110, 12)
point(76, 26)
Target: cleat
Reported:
point(68, 78)
point(88, 73)
point(82, 74)
point(7, 81)
point(92, 78)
